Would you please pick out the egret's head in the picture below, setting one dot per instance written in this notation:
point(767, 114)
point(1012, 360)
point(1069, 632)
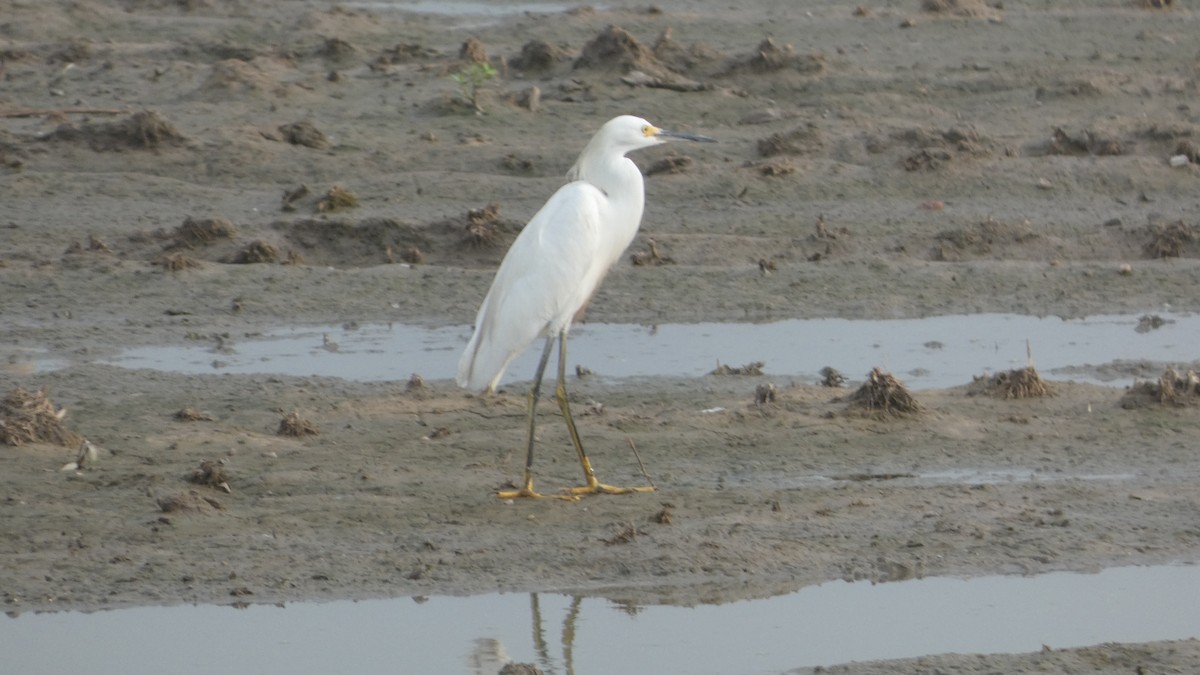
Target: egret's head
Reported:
point(630, 133)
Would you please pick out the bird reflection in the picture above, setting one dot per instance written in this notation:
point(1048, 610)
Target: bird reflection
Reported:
point(488, 656)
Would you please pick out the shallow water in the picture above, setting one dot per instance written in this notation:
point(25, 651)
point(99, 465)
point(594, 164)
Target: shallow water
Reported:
point(934, 352)
point(831, 623)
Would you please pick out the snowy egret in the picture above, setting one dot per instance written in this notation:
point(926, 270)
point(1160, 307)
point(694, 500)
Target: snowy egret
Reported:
point(552, 270)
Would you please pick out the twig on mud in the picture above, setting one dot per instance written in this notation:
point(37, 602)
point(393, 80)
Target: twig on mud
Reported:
point(633, 446)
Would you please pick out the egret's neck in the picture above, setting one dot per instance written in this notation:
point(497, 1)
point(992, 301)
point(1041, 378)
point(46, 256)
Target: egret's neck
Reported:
point(615, 175)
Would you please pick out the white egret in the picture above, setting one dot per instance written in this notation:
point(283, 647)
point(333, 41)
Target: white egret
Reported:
point(553, 268)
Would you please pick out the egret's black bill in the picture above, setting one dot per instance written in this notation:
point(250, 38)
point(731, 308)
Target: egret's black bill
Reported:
point(686, 136)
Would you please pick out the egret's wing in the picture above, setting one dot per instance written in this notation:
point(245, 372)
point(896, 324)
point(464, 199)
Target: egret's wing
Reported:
point(547, 275)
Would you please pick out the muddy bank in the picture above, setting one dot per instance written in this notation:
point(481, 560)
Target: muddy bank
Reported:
point(175, 173)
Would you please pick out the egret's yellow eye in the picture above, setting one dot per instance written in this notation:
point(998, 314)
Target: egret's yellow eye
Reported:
point(649, 130)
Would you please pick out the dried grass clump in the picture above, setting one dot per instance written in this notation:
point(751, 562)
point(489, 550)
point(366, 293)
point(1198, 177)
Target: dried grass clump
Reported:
point(482, 226)
point(176, 262)
point(202, 231)
point(257, 251)
point(211, 474)
point(1016, 383)
point(190, 414)
point(30, 417)
point(304, 133)
point(1170, 241)
point(1178, 389)
point(336, 199)
point(884, 395)
point(754, 368)
point(296, 426)
point(1171, 388)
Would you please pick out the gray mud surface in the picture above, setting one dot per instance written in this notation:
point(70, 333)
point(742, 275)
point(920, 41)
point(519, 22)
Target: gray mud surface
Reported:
point(171, 173)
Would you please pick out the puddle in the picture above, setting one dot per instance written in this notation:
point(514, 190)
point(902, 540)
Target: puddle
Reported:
point(935, 352)
point(832, 623)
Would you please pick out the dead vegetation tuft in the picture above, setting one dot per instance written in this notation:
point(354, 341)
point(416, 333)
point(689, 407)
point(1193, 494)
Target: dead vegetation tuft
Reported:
point(190, 414)
point(482, 226)
point(765, 394)
point(30, 417)
point(754, 368)
point(211, 473)
point(1172, 388)
point(304, 133)
point(176, 262)
point(472, 51)
point(1170, 241)
point(337, 199)
point(201, 232)
point(290, 197)
point(296, 426)
point(883, 395)
point(257, 251)
point(1016, 383)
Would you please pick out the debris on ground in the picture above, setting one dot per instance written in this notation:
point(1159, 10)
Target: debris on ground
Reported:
point(754, 368)
point(1016, 383)
point(882, 394)
point(211, 473)
point(30, 417)
point(294, 425)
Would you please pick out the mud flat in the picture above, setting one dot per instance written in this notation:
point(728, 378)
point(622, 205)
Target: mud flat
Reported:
point(202, 173)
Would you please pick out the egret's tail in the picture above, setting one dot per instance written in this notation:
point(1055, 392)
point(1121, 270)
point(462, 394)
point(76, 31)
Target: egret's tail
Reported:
point(482, 364)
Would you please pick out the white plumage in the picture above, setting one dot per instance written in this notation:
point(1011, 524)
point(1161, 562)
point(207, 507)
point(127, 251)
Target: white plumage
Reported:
point(559, 259)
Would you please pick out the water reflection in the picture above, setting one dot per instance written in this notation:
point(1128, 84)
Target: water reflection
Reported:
point(832, 623)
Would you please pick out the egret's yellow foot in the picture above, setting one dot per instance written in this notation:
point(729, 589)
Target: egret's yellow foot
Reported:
point(526, 491)
point(602, 489)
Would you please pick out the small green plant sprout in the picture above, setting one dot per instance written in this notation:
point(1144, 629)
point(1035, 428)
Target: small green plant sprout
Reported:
point(470, 79)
